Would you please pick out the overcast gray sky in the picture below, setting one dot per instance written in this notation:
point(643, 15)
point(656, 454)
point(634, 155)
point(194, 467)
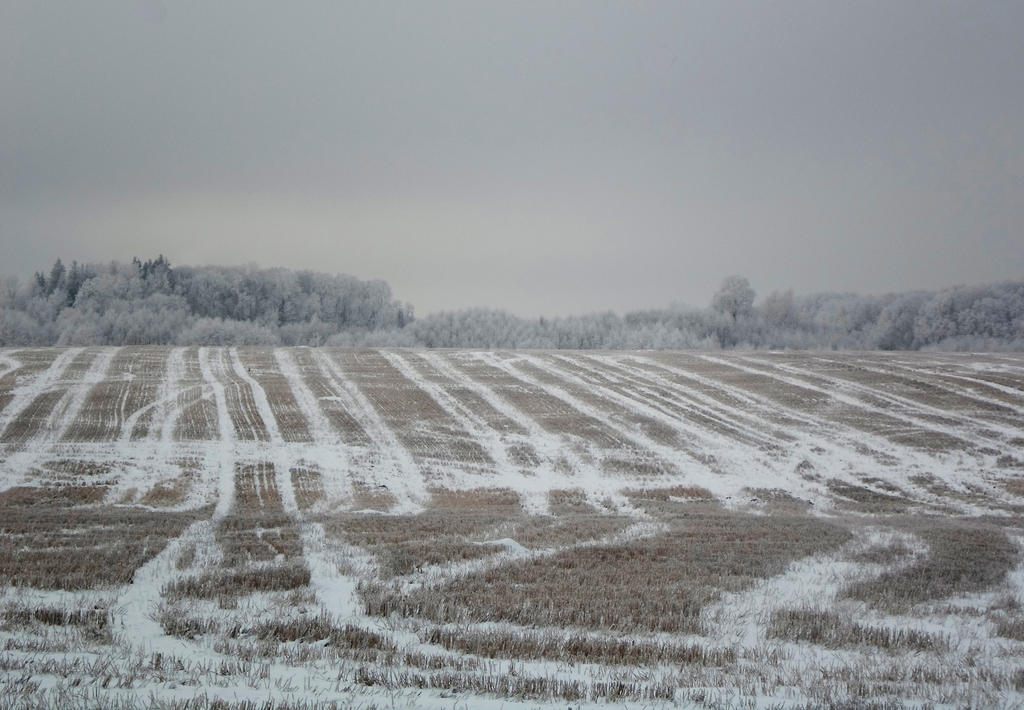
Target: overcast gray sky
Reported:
point(555, 157)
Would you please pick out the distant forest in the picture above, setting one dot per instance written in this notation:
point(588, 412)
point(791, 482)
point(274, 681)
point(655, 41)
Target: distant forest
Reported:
point(151, 302)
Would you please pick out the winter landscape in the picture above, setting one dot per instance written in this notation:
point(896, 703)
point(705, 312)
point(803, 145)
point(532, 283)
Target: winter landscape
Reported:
point(511, 354)
point(213, 527)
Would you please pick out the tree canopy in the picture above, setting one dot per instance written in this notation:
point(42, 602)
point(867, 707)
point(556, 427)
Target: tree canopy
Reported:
point(151, 302)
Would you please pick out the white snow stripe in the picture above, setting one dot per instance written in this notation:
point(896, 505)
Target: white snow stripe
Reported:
point(26, 393)
point(405, 477)
point(532, 489)
point(690, 469)
point(277, 451)
point(223, 455)
point(64, 413)
point(914, 406)
point(166, 416)
point(549, 447)
point(474, 425)
point(639, 387)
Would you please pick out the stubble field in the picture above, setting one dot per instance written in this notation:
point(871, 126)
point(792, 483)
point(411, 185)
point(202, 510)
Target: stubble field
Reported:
point(313, 528)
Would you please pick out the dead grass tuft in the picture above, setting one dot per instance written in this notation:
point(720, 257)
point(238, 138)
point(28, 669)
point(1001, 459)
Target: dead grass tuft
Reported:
point(166, 494)
point(657, 584)
point(669, 493)
point(1010, 628)
point(31, 496)
point(55, 547)
point(1015, 486)
point(496, 501)
point(216, 584)
point(963, 558)
point(572, 501)
point(323, 627)
point(367, 496)
point(883, 554)
point(829, 629)
point(309, 488)
point(866, 500)
point(575, 648)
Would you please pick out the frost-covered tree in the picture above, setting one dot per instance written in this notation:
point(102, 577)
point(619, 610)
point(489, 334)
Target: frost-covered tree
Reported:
point(152, 302)
point(734, 298)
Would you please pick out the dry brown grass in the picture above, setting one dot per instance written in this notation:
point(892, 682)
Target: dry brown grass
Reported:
point(575, 648)
point(571, 501)
point(964, 557)
point(883, 554)
point(20, 616)
point(216, 584)
point(262, 366)
point(56, 547)
point(197, 414)
point(458, 525)
point(367, 496)
point(129, 384)
point(1015, 486)
point(776, 500)
point(657, 584)
point(498, 501)
point(245, 415)
point(659, 503)
point(516, 685)
point(831, 630)
point(167, 494)
point(257, 529)
point(1009, 627)
point(550, 412)
point(865, 500)
point(561, 531)
point(321, 627)
point(30, 364)
point(49, 496)
point(33, 418)
point(668, 493)
point(404, 543)
point(422, 426)
point(308, 486)
point(346, 425)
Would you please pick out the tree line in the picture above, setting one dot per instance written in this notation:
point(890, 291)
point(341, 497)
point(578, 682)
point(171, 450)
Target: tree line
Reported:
point(151, 302)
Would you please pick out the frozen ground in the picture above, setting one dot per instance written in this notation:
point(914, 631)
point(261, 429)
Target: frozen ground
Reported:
point(192, 476)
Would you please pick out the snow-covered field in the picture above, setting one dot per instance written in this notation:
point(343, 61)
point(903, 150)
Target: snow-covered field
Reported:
point(222, 527)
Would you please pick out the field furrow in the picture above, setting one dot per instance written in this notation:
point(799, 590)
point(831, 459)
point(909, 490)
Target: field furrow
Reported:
point(262, 367)
point(818, 408)
point(329, 398)
point(245, 418)
point(928, 403)
point(392, 472)
point(684, 420)
point(1002, 402)
point(699, 415)
point(867, 410)
point(21, 370)
point(38, 418)
point(464, 406)
point(193, 417)
point(127, 387)
point(425, 429)
point(281, 526)
point(579, 432)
